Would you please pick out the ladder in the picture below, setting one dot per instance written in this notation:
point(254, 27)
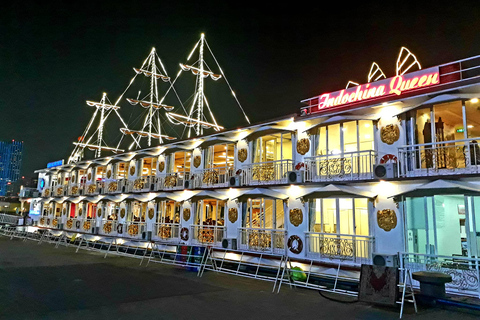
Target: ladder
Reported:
point(408, 294)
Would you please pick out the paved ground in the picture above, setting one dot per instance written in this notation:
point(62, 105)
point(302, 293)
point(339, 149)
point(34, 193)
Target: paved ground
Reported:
point(42, 282)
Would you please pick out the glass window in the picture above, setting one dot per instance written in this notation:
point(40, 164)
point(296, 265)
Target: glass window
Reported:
point(264, 214)
point(149, 166)
point(347, 216)
point(220, 155)
point(168, 212)
point(180, 163)
point(210, 212)
point(272, 147)
point(472, 109)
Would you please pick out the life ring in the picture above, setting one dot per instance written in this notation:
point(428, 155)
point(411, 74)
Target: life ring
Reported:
point(295, 244)
point(184, 234)
point(387, 158)
point(120, 228)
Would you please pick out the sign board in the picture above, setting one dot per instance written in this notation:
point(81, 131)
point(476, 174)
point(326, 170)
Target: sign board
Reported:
point(55, 164)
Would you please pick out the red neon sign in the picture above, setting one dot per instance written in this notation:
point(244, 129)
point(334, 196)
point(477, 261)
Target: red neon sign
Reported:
point(391, 86)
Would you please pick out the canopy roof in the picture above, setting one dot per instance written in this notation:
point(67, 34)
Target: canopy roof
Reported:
point(259, 193)
point(440, 186)
point(333, 190)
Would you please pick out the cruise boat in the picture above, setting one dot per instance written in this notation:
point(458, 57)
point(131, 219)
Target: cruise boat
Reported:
point(387, 169)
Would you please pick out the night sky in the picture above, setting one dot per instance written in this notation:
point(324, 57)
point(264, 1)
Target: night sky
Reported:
point(54, 57)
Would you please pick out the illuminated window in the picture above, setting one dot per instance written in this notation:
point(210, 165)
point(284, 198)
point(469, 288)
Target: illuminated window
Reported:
point(210, 212)
point(272, 147)
point(263, 214)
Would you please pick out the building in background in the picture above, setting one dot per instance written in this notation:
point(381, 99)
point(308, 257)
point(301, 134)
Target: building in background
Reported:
point(10, 165)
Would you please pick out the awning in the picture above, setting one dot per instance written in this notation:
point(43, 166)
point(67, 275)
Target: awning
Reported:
point(214, 141)
point(116, 198)
point(148, 153)
point(258, 193)
point(121, 158)
point(333, 191)
point(206, 194)
point(94, 199)
point(439, 187)
point(266, 130)
point(440, 99)
point(338, 119)
point(76, 199)
point(60, 200)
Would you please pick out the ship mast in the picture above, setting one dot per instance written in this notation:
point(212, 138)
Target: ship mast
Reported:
point(86, 140)
point(151, 127)
point(197, 117)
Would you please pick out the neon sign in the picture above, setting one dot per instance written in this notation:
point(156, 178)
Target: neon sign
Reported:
point(383, 88)
point(55, 164)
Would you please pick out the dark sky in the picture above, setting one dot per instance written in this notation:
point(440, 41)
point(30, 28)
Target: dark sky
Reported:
point(54, 57)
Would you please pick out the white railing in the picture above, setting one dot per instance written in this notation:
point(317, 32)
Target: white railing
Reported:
point(440, 158)
point(270, 172)
point(134, 229)
point(339, 247)
point(76, 189)
point(261, 240)
point(356, 165)
point(173, 181)
point(8, 219)
point(214, 177)
point(143, 184)
point(109, 227)
point(207, 234)
point(465, 272)
point(169, 232)
point(73, 224)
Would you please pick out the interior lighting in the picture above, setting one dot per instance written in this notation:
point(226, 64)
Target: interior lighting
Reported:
point(474, 100)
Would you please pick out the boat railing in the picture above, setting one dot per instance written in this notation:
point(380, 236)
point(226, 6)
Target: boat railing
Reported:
point(73, 224)
point(440, 158)
point(173, 181)
point(135, 229)
point(212, 177)
point(354, 249)
point(169, 232)
point(262, 240)
point(465, 271)
point(109, 227)
point(356, 165)
point(207, 234)
point(269, 172)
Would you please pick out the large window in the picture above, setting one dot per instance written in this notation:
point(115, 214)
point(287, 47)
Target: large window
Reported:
point(210, 212)
point(447, 225)
point(264, 214)
point(220, 155)
point(346, 216)
point(122, 170)
point(149, 166)
point(168, 212)
point(272, 147)
point(180, 163)
point(345, 137)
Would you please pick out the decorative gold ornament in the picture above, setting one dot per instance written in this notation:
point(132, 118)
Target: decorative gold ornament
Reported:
point(263, 172)
point(89, 176)
point(42, 221)
point(91, 188)
point(99, 212)
point(296, 217)
point(161, 166)
point(109, 174)
point(232, 215)
point(138, 184)
point(132, 170)
point(151, 213)
point(133, 230)
point(170, 181)
point(390, 133)
point(122, 213)
point(60, 191)
point(54, 223)
point(112, 186)
point(46, 192)
point(73, 179)
point(80, 211)
point(242, 155)
point(387, 219)
point(86, 225)
point(74, 190)
point(64, 211)
point(165, 232)
point(303, 145)
point(196, 161)
point(107, 227)
point(186, 214)
point(69, 223)
point(210, 177)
